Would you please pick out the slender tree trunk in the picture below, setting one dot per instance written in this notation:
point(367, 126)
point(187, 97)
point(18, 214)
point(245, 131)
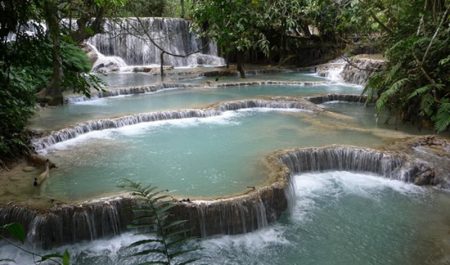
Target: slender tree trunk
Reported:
point(240, 65)
point(182, 8)
point(52, 94)
point(162, 66)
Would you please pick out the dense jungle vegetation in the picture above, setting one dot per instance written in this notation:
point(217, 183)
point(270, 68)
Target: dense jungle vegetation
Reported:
point(41, 53)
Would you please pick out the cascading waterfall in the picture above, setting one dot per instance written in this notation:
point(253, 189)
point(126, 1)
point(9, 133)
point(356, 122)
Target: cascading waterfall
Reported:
point(96, 125)
point(389, 165)
point(127, 40)
point(337, 97)
point(332, 70)
point(233, 215)
point(103, 62)
point(64, 224)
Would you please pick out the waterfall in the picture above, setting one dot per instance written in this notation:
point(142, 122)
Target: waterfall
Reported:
point(233, 215)
point(67, 224)
point(126, 39)
point(65, 134)
point(103, 63)
point(389, 165)
point(337, 97)
point(332, 70)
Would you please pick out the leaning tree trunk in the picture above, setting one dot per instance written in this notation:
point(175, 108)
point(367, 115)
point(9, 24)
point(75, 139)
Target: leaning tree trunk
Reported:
point(52, 94)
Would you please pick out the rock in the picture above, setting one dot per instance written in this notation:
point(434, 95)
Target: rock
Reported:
point(360, 68)
point(28, 169)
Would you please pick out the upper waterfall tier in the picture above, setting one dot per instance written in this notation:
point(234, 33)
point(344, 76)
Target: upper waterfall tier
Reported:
point(130, 39)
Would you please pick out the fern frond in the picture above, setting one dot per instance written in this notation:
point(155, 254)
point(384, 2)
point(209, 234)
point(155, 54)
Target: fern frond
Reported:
point(420, 91)
point(388, 94)
point(442, 118)
point(152, 214)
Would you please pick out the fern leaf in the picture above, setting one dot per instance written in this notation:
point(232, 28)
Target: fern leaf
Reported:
point(188, 261)
point(174, 224)
point(442, 118)
point(145, 241)
point(148, 251)
point(388, 94)
point(426, 104)
point(420, 91)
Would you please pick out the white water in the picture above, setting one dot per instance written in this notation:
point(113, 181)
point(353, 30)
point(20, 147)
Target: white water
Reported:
point(172, 34)
point(115, 62)
point(337, 218)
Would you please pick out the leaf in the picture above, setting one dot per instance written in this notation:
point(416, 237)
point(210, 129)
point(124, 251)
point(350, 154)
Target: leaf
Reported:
point(51, 256)
point(66, 258)
point(442, 118)
point(426, 104)
point(388, 94)
point(154, 262)
point(420, 91)
point(16, 230)
point(8, 260)
point(188, 261)
point(174, 224)
point(180, 252)
point(145, 241)
point(148, 251)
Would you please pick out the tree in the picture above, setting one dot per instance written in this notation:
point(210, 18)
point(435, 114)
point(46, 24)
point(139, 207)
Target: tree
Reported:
point(235, 25)
point(414, 86)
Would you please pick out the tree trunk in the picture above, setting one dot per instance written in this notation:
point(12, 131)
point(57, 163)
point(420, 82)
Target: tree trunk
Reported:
point(240, 65)
point(52, 94)
point(182, 8)
point(162, 66)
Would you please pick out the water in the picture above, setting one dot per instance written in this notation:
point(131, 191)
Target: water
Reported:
point(124, 38)
point(338, 218)
point(346, 218)
point(366, 117)
point(60, 117)
point(212, 156)
point(121, 79)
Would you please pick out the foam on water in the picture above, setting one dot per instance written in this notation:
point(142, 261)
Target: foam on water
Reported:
point(273, 110)
point(310, 186)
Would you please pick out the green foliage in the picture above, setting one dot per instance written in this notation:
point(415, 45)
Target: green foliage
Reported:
point(235, 25)
point(16, 106)
point(415, 82)
point(152, 216)
point(144, 8)
point(17, 232)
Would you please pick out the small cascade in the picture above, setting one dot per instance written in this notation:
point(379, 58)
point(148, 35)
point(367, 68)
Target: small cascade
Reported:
point(271, 82)
point(68, 224)
point(126, 39)
point(389, 165)
point(103, 63)
point(130, 90)
point(96, 125)
point(239, 214)
point(360, 69)
point(337, 97)
point(62, 135)
point(332, 70)
point(236, 215)
point(261, 103)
